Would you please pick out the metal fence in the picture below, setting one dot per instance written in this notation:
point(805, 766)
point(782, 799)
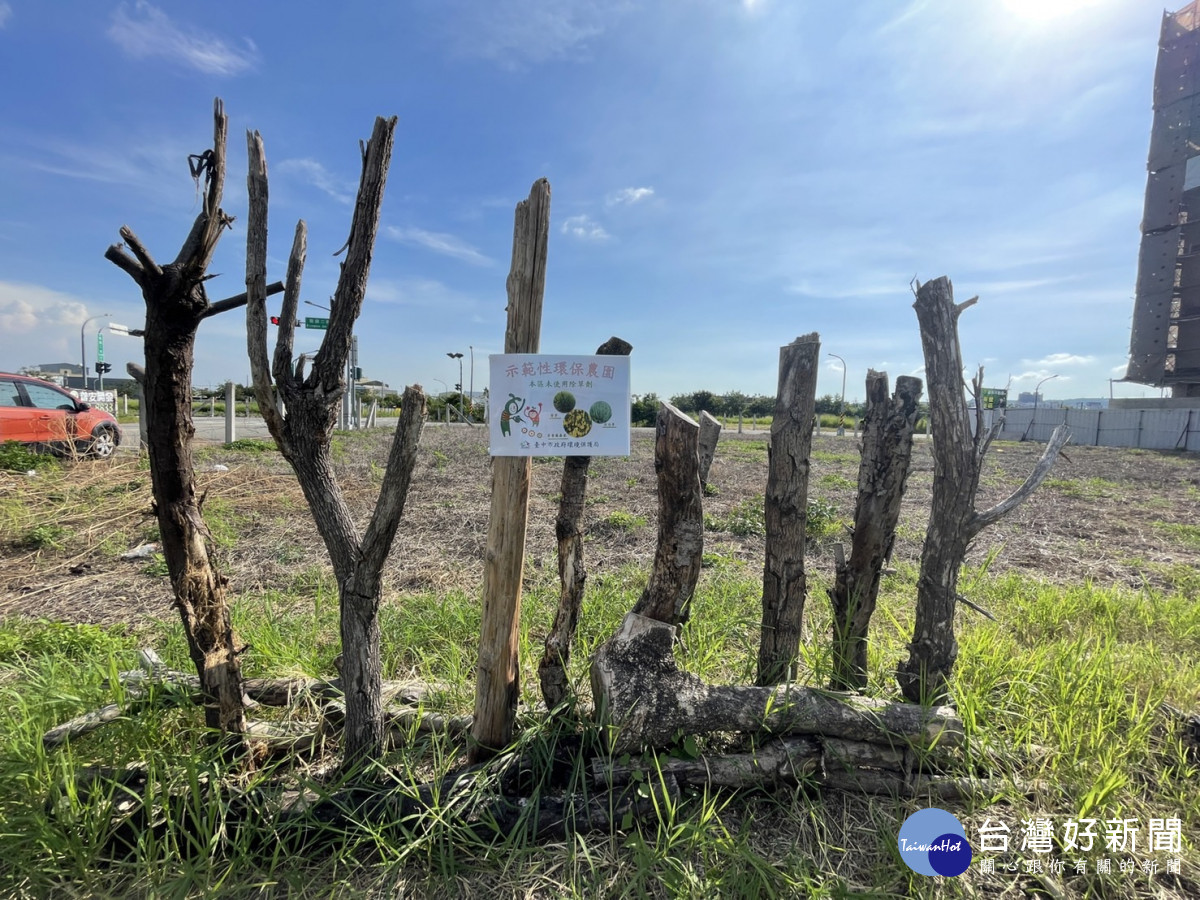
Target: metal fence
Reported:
point(1149, 429)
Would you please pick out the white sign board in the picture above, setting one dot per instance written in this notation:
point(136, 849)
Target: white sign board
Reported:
point(553, 405)
point(95, 396)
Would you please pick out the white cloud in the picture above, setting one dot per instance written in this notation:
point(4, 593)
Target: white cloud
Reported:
point(583, 227)
point(145, 31)
point(515, 32)
point(1055, 360)
point(5, 13)
point(311, 171)
point(29, 308)
point(630, 195)
point(425, 293)
point(438, 242)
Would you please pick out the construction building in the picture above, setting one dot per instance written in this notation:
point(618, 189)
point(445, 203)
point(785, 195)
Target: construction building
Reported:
point(1164, 348)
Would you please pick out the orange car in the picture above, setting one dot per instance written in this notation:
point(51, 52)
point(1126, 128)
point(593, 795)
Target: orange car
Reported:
point(36, 412)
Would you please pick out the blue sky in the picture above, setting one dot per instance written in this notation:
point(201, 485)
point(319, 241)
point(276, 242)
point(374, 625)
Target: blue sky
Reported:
point(726, 175)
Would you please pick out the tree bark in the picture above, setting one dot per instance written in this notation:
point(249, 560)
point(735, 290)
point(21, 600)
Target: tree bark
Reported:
point(176, 302)
point(680, 519)
point(953, 521)
point(784, 582)
point(882, 475)
point(497, 687)
point(572, 575)
point(304, 433)
point(710, 432)
point(646, 701)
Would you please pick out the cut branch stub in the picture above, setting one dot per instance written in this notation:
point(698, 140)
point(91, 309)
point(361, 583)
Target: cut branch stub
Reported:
point(572, 575)
point(784, 583)
point(680, 519)
point(646, 701)
point(882, 475)
point(710, 432)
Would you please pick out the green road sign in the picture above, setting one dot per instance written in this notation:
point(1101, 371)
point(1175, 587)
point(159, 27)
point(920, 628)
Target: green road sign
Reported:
point(99, 346)
point(316, 323)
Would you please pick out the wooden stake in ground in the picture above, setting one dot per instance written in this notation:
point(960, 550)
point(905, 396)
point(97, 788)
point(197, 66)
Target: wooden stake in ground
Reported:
point(882, 474)
point(176, 304)
point(784, 584)
point(680, 519)
point(552, 670)
point(953, 521)
point(496, 686)
point(710, 431)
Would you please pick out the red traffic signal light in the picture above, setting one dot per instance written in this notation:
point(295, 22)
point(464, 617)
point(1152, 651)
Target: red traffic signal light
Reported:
point(274, 320)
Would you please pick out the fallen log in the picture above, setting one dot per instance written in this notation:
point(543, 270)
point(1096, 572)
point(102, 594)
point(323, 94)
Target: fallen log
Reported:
point(645, 701)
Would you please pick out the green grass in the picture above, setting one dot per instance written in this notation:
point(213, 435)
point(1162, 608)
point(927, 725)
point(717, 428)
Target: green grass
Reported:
point(1061, 694)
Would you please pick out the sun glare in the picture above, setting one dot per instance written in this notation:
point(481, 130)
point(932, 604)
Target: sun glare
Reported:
point(1047, 10)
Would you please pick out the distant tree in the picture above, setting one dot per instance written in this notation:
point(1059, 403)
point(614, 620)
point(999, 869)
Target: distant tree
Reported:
point(734, 403)
point(761, 405)
point(705, 400)
point(644, 410)
point(683, 403)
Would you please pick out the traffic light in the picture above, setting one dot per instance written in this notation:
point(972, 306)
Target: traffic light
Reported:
point(357, 374)
point(274, 320)
point(103, 367)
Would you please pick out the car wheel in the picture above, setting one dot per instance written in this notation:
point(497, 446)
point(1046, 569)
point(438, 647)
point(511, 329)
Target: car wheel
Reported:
point(104, 443)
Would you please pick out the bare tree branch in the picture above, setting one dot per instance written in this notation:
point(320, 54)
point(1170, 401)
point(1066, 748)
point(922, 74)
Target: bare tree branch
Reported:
point(116, 254)
point(382, 528)
point(1057, 441)
point(238, 300)
point(256, 283)
point(288, 316)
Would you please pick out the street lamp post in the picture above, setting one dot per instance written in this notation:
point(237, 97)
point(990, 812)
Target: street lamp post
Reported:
point(459, 357)
point(472, 393)
point(83, 345)
point(1037, 391)
point(842, 413)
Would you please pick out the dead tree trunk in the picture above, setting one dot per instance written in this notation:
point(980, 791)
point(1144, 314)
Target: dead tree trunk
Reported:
point(710, 432)
point(680, 519)
point(304, 433)
point(552, 670)
point(784, 584)
point(882, 474)
point(953, 521)
point(496, 686)
point(176, 304)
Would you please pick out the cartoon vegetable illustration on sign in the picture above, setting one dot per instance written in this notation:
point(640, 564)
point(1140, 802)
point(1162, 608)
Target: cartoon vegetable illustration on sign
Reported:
point(600, 412)
point(564, 401)
point(511, 413)
point(577, 423)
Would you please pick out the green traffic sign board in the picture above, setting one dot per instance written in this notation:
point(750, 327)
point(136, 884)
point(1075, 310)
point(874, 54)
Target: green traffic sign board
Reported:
point(316, 323)
point(99, 346)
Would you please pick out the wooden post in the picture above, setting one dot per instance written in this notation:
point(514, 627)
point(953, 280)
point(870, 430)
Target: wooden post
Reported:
point(710, 431)
point(552, 670)
point(784, 585)
point(882, 474)
point(497, 687)
point(680, 519)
